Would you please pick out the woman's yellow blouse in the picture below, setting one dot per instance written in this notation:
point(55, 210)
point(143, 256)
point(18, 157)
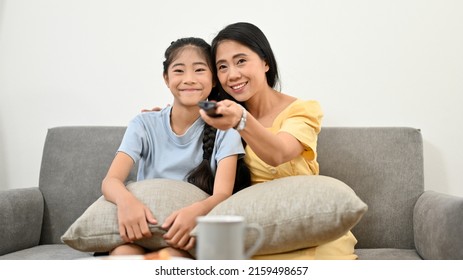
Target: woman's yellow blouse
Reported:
point(302, 119)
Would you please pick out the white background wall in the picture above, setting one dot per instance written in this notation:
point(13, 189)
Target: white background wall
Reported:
point(98, 62)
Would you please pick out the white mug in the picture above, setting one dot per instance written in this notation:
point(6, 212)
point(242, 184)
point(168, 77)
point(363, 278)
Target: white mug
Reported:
point(222, 238)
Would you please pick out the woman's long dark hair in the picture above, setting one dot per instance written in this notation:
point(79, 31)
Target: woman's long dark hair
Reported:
point(202, 175)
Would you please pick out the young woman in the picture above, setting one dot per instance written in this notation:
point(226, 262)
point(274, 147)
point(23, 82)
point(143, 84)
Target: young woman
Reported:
point(280, 131)
point(167, 144)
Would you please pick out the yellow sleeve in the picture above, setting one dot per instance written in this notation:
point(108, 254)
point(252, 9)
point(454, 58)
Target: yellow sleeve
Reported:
point(303, 121)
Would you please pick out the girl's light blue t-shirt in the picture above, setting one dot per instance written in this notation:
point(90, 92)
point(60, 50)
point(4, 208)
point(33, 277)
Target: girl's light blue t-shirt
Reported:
point(160, 153)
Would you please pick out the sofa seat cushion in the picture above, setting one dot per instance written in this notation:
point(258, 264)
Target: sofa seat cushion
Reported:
point(47, 252)
point(387, 254)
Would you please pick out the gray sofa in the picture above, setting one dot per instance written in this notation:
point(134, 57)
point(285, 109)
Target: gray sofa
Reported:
point(384, 166)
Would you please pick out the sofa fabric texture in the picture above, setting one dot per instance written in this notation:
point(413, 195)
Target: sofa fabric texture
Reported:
point(21, 214)
point(382, 165)
point(438, 227)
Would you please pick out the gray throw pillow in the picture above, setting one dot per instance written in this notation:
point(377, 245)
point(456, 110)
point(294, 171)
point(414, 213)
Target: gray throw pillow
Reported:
point(96, 230)
point(296, 212)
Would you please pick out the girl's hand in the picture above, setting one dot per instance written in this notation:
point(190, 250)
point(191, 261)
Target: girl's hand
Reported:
point(133, 218)
point(179, 225)
point(231, 115)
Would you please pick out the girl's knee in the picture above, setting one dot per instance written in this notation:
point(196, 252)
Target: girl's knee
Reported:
point(128, 249)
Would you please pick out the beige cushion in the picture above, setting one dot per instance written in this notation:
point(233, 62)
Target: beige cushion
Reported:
point(296, 212)
point(96, 230)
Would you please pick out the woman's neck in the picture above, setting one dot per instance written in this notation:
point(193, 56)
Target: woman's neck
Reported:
point(267, 105)
point(259, 104)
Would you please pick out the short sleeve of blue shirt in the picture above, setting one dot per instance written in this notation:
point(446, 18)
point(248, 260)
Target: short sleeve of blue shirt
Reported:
point(227, 143)
point(135, 139)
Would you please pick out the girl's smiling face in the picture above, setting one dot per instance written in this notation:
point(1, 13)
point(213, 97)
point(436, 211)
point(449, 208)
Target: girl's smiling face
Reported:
point(189, 77)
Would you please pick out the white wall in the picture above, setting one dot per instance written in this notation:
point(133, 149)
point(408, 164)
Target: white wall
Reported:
point(97, 62)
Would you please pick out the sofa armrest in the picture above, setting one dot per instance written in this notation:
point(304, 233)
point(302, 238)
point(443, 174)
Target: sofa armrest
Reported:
point(21, 214)
point(438, 227)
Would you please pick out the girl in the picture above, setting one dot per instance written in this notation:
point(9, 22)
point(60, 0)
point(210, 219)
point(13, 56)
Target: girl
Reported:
point(166, 144)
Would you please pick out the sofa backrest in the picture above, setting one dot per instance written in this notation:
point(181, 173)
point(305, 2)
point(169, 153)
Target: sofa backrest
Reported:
point(384, 166)
point(74, 163)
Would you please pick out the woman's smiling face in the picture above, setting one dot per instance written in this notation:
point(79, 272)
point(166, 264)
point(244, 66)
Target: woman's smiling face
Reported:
point(241, 71)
